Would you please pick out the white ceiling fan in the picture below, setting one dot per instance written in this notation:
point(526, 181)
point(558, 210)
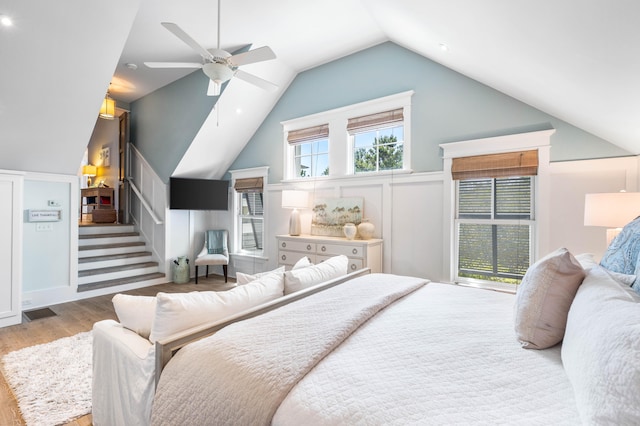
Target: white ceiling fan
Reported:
point(219, 65)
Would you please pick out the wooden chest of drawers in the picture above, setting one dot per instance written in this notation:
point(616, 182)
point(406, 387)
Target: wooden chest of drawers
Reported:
point(361, 253)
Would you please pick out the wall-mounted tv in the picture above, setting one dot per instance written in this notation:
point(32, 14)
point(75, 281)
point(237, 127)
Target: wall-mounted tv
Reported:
point(198, 194)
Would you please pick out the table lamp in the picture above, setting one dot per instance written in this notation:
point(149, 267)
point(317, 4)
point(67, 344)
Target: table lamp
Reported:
point(89, 171)
point(294, 199)
point(612, 210)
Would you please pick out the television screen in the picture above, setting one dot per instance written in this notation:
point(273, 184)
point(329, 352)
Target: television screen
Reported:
point(198, 194)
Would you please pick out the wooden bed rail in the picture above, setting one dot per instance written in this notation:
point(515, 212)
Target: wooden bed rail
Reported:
point(166, 348)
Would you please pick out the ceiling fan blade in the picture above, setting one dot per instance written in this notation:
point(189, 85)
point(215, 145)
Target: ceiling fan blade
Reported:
point(178, 32)
point(261, 83)
point(256, 55)
point(173, 65)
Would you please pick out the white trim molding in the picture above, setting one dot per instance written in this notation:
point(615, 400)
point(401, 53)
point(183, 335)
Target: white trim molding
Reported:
point(540, 141)
point(340, 150)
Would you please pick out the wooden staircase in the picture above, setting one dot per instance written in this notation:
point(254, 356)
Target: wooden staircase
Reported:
point(114, 255)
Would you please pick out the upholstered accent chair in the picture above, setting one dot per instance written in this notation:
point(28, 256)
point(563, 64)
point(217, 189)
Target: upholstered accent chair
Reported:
point(214, 252)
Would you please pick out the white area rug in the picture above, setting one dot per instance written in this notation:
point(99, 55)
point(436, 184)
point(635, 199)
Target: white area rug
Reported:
point(52, 381)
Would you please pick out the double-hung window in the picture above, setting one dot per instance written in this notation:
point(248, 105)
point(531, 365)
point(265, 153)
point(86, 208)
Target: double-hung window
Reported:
point(494, 216)
point(377, 141)
point(249, 215)
point(310, 148)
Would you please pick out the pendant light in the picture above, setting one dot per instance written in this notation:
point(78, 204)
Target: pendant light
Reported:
point(108, 108)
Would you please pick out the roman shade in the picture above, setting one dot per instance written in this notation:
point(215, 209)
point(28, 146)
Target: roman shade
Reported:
point(254, 184)
point(522, 163)
point(376, 120)
point(308, 134)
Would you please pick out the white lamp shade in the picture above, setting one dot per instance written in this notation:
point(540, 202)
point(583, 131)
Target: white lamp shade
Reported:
point(294, 199)
point(611, 210)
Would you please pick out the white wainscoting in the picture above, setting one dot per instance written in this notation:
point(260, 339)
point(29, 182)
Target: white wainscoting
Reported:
point(154, 192)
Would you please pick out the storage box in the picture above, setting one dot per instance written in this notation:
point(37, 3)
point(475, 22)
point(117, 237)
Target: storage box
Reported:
point(103, 216)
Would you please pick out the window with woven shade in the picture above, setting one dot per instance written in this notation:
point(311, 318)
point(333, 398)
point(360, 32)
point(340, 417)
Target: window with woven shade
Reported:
point(310, 151)
point(494, 215)
point(249, 208)
point(378, 141)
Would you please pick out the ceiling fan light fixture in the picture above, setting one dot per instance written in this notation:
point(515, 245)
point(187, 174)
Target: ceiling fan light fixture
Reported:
point(219, 73)
point(108, 108)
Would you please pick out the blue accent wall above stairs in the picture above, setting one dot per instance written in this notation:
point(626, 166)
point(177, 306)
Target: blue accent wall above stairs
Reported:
point(164, 123)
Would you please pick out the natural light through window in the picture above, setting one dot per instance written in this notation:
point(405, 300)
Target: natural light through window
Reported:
point(311, 159)
point(377, 150)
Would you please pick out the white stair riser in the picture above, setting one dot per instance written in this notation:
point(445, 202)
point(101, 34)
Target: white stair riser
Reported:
point(115, 275)
point(107, 251)
point(108, 240)
point(114, 262)
point(92, 230)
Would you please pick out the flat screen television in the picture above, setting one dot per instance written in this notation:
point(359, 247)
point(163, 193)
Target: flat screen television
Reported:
point(198, 194)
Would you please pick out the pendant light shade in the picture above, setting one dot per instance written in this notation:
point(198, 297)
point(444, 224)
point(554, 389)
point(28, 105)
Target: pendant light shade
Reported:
point(108, 108)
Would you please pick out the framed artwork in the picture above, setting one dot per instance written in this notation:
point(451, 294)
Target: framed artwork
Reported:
point(105, 157)
point(330, 215)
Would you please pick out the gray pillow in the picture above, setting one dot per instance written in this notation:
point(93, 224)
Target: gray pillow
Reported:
point(544, 297)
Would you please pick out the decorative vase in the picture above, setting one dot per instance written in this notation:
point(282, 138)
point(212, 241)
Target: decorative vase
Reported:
point(350, 231)
point(181, 270)
point(366, 229)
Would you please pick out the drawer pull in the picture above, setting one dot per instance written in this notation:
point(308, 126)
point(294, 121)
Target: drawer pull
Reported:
point(323, 248)
point(308, 246)
point(284, 244)
point(283, 257)
point(353, 266)
point(354, 251)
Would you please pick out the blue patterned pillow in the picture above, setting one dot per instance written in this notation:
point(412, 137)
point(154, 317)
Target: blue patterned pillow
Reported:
point(622, 254)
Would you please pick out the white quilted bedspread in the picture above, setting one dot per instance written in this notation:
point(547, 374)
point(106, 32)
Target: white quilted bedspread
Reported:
point(240, 375)
point(444, 355)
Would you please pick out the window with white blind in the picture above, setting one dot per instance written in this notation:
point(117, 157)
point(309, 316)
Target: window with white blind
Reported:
point(494, 228)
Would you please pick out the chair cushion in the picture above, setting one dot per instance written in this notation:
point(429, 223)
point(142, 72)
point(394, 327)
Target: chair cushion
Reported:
point(212, 259)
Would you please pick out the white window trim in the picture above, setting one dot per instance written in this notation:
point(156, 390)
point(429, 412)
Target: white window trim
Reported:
point(244, 174)
point(541, 141)
point(340, 146)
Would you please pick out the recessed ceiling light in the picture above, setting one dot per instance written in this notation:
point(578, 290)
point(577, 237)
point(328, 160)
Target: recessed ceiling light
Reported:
point(6, 21)
point(444, 47)
point(131, 66)
point(238, 111)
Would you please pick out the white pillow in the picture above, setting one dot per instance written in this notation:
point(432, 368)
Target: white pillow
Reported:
point(303, 262)
point(242, 278)
point(600, 352)
point(587, 261)
point(135, 312)
point(177, 312)
point(298, 279)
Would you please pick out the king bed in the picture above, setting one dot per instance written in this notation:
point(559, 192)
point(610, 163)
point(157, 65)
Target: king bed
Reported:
point(384, 349)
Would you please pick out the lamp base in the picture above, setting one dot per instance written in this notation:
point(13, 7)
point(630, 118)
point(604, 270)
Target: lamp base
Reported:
point(294, 223)
point(611, 234)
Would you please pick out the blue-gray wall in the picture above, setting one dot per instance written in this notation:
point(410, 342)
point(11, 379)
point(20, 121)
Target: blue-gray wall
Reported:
point(446, 107)
point(164, 123)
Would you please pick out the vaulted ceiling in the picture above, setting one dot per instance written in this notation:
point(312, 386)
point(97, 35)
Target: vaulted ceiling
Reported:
point(578, 60)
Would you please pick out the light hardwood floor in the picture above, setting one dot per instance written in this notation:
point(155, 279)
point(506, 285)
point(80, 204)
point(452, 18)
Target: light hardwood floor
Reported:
point(73, 318)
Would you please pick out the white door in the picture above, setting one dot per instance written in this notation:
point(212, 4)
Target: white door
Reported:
point(10, 249)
